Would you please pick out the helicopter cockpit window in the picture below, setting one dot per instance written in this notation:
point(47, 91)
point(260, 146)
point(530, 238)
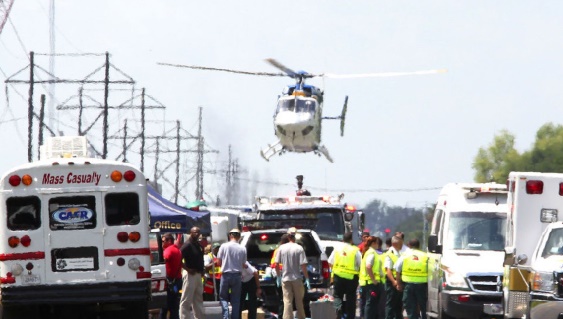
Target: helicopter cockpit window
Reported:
point(305, 106)
point(286, 105)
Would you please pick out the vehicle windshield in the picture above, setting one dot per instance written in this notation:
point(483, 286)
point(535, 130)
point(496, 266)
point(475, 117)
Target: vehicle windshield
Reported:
point(301, 105)
point(476, 231)
point(554, 245)
point(262, 245)
point(330, 224)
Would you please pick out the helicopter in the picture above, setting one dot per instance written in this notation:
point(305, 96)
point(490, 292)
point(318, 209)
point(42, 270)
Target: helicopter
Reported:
point(298, 115)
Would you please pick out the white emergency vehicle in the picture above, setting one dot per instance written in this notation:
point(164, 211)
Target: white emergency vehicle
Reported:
point(74, 237)
point(466, 250)
point(533, 261)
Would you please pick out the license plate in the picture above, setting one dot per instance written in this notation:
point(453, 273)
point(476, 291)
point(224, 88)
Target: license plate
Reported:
point(31, 279)
point(493, 309)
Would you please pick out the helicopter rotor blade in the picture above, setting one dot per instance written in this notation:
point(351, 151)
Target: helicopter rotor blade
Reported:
point(282, 67)
point(382, 74)
point(195, 67)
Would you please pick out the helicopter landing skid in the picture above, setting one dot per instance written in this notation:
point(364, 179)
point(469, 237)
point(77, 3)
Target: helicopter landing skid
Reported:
point(323, 150)
point(271, 150)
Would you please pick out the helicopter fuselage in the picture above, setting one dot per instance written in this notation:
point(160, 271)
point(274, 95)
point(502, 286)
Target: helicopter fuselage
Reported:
point(297, 122)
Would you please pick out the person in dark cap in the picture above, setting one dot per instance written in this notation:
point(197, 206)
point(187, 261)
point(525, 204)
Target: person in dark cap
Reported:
point(232, 259)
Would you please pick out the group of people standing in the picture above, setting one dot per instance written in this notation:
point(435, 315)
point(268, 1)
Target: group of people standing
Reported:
point(389, 282)
point(236, 276)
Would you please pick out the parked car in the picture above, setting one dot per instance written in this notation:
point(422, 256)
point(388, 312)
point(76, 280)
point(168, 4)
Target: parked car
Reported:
point(260, 245)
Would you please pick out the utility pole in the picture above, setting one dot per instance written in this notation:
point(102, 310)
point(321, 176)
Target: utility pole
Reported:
point(51, 109)
point(30, 108)
point(199, 168)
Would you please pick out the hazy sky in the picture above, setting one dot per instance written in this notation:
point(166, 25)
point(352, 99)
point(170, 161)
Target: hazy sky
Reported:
point(403, 134)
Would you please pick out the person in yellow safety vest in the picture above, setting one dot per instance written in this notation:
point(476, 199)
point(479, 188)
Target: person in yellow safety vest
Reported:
point(345, 262)
point(393, 297)
point(370, 277)
point(412, 276)
point(213, 276)
point(283, 240)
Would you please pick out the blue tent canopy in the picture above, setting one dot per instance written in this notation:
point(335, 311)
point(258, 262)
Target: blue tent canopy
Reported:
point(170, 217)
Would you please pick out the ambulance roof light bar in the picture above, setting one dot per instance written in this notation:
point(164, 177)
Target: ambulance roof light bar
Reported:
point(286, 200)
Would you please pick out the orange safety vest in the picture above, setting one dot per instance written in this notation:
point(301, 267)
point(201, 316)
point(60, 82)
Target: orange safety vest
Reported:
point(217, 268)
point(273, 260)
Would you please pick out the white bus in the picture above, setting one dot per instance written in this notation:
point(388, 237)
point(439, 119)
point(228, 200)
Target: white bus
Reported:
point(74, 240)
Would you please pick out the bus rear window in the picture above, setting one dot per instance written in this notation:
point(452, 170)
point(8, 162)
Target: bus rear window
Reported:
point(23, 213)
point(72, 213)
point(122, 209)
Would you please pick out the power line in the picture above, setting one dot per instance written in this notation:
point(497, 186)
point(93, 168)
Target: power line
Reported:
point(344, 190)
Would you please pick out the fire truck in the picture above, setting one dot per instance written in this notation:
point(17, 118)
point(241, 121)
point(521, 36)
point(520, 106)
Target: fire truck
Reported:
point(333, 216)
point(74, 236)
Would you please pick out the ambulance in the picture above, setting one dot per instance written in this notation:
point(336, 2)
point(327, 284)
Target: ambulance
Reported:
point(74, 236)
point(532, 272)
point(466, 251)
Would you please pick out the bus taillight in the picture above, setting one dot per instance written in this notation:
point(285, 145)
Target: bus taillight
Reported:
point(27, 180)
point(116, 176)
point(15, 180)
point(25, 241)
point(134, 236)
point(13, 241)
point(129, 176)
point(122, 236)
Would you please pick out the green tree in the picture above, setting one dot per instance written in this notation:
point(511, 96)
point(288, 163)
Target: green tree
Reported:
point(547, 153)
point(492, 164)
point(500, 158)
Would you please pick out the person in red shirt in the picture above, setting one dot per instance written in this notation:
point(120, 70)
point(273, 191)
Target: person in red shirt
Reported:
point(173, 262)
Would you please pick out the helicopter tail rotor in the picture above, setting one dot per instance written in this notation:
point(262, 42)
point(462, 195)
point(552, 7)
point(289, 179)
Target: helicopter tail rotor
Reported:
point(343, 116)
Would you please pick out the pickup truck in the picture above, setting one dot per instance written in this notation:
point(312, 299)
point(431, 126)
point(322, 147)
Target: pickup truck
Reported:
point(260, 245)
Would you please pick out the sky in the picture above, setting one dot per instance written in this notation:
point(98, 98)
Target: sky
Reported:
point(405, 137)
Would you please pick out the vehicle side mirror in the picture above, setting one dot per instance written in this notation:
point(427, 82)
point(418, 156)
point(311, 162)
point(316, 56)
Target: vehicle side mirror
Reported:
point(521, 259)
point(433, 246)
